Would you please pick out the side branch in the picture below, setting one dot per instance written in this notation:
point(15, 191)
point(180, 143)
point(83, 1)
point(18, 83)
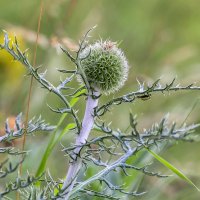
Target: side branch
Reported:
point(21, 57)
point(143, 94)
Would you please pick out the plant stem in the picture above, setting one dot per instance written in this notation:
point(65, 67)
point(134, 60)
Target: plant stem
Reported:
point(87, 124)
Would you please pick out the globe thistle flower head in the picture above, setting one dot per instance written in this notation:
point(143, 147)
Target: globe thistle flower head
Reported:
point(105, 66)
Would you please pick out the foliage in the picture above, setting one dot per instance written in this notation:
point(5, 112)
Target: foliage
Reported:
point(109, 153)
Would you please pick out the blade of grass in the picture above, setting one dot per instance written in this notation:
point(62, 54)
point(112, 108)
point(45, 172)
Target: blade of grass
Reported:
point(172, 168)
point(30, 91)
point(191, 110)
point(31, 83)
point(54, 140)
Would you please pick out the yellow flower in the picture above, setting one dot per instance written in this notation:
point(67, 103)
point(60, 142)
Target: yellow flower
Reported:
point(10, 70)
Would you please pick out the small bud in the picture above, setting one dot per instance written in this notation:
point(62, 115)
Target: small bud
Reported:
point(105, 66)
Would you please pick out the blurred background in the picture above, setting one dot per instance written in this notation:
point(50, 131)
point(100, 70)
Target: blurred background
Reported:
point(161, 39)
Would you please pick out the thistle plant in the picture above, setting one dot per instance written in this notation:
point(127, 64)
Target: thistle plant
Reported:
point(105, 66)
point(101, 68)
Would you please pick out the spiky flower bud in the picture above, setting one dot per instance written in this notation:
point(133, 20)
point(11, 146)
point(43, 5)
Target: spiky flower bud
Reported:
point(105, 66)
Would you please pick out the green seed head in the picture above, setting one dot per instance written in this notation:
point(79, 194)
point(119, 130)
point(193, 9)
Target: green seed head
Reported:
point(105, 66)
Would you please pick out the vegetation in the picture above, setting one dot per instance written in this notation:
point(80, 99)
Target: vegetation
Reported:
point(102, 160)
